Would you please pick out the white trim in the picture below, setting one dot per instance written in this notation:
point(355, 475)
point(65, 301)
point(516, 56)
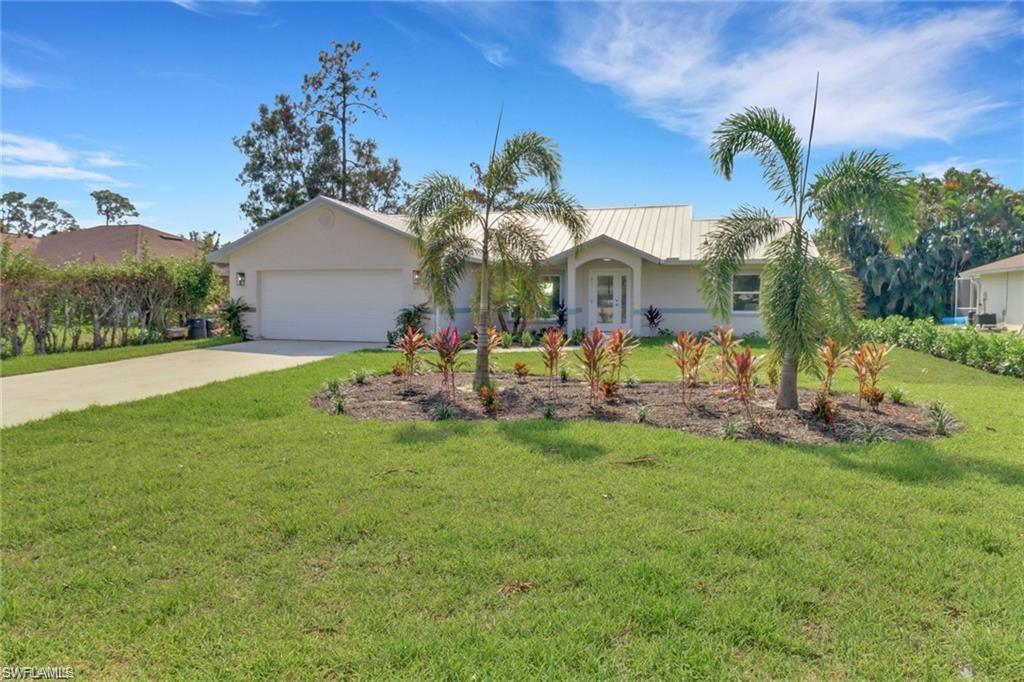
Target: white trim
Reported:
point(623, 306)
point(733, 292)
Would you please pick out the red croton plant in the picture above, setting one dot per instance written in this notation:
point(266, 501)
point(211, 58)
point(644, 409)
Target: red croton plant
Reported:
point(593, 359)
point(687, 353)
point(552, 352)
point(411, 342)
point(742, 366)
point(448, 345)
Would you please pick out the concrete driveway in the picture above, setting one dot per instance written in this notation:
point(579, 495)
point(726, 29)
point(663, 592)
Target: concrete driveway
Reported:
point(33, 396)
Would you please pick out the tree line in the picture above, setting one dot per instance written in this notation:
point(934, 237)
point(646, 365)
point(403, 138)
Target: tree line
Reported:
point(963, 220)
point(69, 307)
point(42, 215)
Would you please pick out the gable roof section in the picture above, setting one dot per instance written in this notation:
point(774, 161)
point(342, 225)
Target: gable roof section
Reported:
point(394, 223)
point(109, 243)
point(20, 242)
point(1011, 264)
point(661, 234)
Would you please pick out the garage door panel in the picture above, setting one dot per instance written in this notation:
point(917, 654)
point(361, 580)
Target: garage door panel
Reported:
point(329, 305)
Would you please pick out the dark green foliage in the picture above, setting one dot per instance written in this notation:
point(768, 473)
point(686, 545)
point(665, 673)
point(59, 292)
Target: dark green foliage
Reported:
point(296, 150)
point(39, 215)
point(412, 316)
point(231, 314)
point(114, 207)
point(967, 219)
point(996, 353)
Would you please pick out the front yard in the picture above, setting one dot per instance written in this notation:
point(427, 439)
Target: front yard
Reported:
point(233, 530)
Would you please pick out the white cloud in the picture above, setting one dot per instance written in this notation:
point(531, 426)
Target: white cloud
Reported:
point(494, 53)
point(27, 148)
point(31, 43)
point(207, 7)
point(32, 171)
point(33, 158)
point(10, 78)
point(105, 160)
point(882, 80)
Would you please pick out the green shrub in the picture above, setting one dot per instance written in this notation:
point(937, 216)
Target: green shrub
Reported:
point(897, 395)
point(527, 339)
point(641, 414)
point(442, 412)
point(942, 418)
point(870, 433)
point(507, 339)
point(549, 412)
point(996, 353)
point(360, 376)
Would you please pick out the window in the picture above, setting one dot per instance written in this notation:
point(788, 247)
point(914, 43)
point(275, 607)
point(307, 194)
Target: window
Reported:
point(746, 293)
point(240, 279)
point(551, 286)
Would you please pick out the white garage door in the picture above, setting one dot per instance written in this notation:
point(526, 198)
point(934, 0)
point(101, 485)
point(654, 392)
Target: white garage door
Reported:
point(329, 305)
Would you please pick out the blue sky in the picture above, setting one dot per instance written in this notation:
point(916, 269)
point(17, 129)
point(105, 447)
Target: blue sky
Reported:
point(144, 98)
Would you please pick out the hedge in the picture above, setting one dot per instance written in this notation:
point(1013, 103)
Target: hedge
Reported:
point(996, 353)
point(129, 302)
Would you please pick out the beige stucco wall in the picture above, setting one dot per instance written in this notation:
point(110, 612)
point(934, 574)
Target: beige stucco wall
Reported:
point(321, 238)
point(1003, 294)
point(675, 290)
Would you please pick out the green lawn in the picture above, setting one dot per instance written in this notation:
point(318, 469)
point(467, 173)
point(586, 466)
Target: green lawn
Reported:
point(30, 363)
point(233, 531)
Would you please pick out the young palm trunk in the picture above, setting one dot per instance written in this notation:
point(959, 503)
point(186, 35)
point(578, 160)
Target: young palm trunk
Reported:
point(482, 376)
point(787, 399)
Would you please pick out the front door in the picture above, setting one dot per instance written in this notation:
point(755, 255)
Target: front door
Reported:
point(609, 303)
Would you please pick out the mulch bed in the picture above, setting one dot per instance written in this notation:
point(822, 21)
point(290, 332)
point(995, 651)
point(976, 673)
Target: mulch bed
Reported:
point(710, 410)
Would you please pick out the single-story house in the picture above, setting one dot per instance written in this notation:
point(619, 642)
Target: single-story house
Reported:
point(998, 288)
point(107, 244)
point(329, 270)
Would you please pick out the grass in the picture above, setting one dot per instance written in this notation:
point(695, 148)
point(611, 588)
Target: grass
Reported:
point(30, 363)
point(233, 531)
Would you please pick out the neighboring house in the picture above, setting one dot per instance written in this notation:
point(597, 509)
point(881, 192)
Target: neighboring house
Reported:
point(107, 244)
point(20, 242)
point(328, 270)
point(998, 288)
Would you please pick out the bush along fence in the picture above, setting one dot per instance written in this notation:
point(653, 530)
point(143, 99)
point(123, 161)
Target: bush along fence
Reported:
point(996, 353)
point(76, 305)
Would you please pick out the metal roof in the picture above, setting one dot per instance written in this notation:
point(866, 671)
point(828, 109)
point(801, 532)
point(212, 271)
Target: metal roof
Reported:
point(666, 233)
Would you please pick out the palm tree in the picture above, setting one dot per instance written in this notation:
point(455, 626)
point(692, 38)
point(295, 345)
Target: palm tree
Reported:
point(803, 297)
point(492, 221)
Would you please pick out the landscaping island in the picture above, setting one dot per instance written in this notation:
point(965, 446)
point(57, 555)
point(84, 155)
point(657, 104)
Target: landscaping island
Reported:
point(710, 410)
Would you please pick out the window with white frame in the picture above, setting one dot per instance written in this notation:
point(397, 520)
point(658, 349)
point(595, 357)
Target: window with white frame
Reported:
point(746, 293)
point(551, 287)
